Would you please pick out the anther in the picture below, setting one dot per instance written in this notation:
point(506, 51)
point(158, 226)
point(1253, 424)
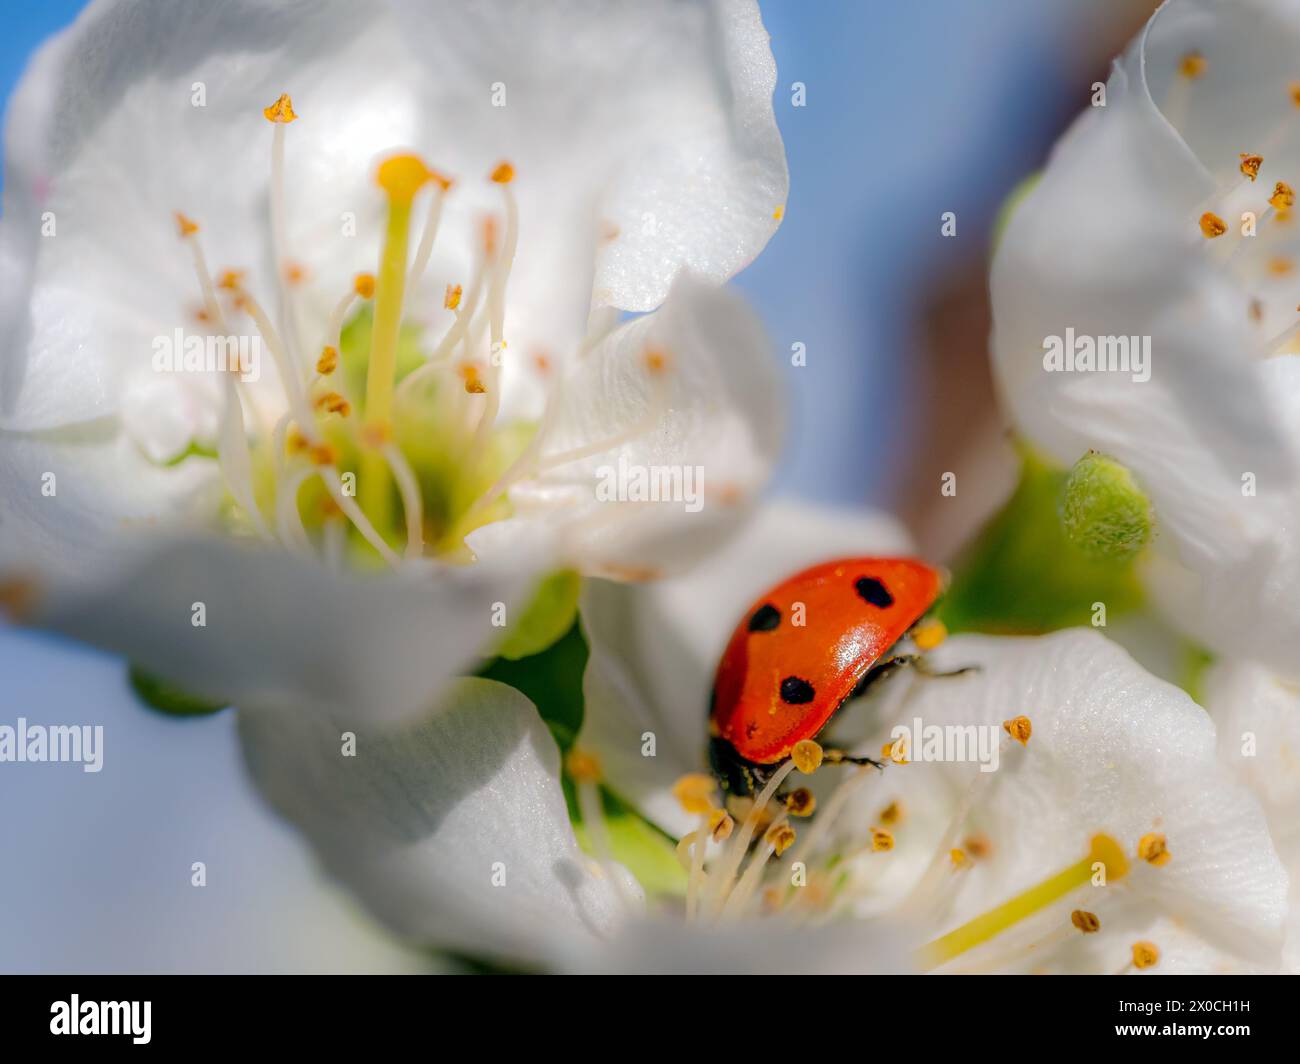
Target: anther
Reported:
point(1153, 849)
point(694, 792)
point(582, 766)
point(473, 382)
point(1192, 65)
point(807, 756)
point(231, 280)
point(1019, 728)
point(333, 403)
point(451, 299)
point(186, 226)
point(656, 361)
point(929, 634)
point(1250, 165)
point(1212, 225)
point(328, 361)
point(1085, 921)
point(892, 813)
point(1145, 955)
point(503, 174)
point(1283, 196)
point(882, 841)
point(721, 825)
point(800, 802)
point(281, 111)
point(780, 837)
point(364, 285)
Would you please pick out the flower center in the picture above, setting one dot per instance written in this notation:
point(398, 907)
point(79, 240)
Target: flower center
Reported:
point(384, 450)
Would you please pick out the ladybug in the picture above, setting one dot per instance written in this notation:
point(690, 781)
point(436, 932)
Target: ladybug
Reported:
point(810, 644)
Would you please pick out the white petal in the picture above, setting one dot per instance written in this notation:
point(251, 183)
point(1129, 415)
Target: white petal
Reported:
point(281, 631)
point(1113, 749)
point(421, 821)
point(653, 117)
point(710, 422)
point(654, 647)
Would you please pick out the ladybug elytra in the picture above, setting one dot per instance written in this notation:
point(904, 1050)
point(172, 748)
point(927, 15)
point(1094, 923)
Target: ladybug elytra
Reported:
point(801, 651)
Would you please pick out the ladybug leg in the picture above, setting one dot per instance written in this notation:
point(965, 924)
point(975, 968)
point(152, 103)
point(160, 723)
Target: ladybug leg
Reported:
point(839, 757)
point(924, 668)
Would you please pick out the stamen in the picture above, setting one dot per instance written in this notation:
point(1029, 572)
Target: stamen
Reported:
point(1283, 196)
point(1192, 65)
point(694, 792)
point(739, 844)
point(1145, 955)
point(1153, 849)
point(1102, 850)
point(328, 361)
point(1250, 165)
point(425, 248)
point(1019, 728)
point(800, 802)
point(929, 634)
point(408, 486)
point(807, 756)
point(1212, 225)
point(1085, 921)
point(881, 840)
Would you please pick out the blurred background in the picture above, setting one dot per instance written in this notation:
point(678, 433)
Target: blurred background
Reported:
point(912, 110)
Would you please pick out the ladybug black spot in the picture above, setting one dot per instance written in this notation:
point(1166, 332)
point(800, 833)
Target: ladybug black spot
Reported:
point(765, 618)
point(874, 592)
point(796, 692)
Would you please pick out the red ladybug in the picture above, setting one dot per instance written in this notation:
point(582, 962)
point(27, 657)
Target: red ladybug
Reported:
point(804, 649)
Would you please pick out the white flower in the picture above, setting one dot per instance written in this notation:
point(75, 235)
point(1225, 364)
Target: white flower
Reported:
point(901, 868)
point(1136, 230)
point(430, 344)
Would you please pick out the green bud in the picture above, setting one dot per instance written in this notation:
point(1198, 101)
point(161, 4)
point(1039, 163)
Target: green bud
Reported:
point(1103, 511)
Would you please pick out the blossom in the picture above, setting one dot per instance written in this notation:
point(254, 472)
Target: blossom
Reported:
point(428, 219)
point(922, 864)
point(1163, 224)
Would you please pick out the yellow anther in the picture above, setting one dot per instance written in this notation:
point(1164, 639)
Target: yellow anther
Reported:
point(1145, 955)
point(958, 858)
point(929, 634)
point(503, 174)
point(895, 751)
point(328, 361)
point(281, 111)
point(1295, 93)
point(231, 280)
point(780, 837)
point(582, 766)
point(295, 272)
point(721, 825)
point(656, 360)
point(892, 813)
point(364, 285)
point(542, 363)
point(322, 454)
point(694, 792)
point(1212, 225)
point(329, 508)
point(441, 180)
point(402, 176)
point(881, 840)
point(800, 802)
point(1085, 921)
point(451, 300)
point(376, 435)
point(1192, 65)
point(186, 226)
point(333, 403)
point(978, 846)
point(296, 442)
point(1250, 165)
point(1283, 196)
point(473, 382)
point(778, 213)
point(1153, 849)
point(17, 599)
point(202, 316)
point(807, 756)
point(1019, 729)
point(1280, 265)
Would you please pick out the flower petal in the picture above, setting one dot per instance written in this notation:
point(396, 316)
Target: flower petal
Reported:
point(452, 830)
point(1113, 749)
point(688, 399)
point(654, 647)
point(279, 631)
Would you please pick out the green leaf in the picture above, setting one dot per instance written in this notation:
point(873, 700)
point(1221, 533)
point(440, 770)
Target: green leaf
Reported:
point(553, 680)
point(1022, 574)
point(167, 698)
point(546, 618)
